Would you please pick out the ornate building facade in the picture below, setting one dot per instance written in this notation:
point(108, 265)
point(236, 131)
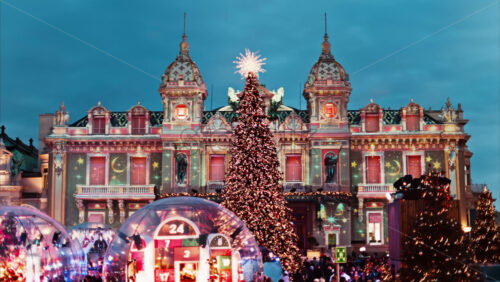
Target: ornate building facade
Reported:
point(338, 164)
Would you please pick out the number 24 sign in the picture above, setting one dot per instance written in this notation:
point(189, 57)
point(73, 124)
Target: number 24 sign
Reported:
point(177, 227)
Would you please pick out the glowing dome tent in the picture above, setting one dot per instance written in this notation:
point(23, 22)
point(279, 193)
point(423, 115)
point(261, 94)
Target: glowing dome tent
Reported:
point(34, 247)
point(94, 238)
point(183, 239)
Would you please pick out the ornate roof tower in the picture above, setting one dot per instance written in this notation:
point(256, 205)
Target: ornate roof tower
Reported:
point(327, 89)
point(182, 88)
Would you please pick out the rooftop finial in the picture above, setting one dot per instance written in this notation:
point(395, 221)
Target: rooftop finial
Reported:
point(184, 43)
point(325, 46)
point(326, 33)
point(184, 34)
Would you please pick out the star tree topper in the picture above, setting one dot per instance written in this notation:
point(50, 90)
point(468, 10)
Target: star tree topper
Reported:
point(251, 62)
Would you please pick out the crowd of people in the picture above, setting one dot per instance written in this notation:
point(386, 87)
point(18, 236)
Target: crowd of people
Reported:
point(358, 268)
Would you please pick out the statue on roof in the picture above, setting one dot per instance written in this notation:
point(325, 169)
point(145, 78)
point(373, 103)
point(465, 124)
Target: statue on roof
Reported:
point(448, 114)
point(62, 117)
point(15, 163)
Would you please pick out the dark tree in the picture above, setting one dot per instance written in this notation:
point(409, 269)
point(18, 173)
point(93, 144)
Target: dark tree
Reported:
point(437, 248)
point(486, 234)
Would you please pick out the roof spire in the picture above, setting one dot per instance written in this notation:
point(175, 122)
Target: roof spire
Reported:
point(325, 46)
point(184, 25)
point(184, 44)
point(326, 33)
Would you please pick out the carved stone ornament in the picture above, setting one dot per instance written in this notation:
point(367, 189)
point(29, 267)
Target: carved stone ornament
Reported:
point(111, 218)
point(372, 107)
point(58, 158)
point(62, 117)
point(218, 123)
point(448, 114)
point(81, 211)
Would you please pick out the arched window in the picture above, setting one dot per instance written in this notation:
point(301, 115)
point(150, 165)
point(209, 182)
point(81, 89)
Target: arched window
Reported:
point(293, 168)
point(217, 168)
point(371, 123)
point(138, 171)
point(412, 122)
point(138, 124)
point(99, 125)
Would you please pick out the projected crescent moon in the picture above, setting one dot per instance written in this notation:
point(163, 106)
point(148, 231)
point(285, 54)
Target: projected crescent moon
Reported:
point(113, 161)
point(398, 165)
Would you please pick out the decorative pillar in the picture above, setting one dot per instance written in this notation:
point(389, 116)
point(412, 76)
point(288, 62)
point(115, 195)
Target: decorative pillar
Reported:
point(166, 118)
point(81, 211)
point(360, 208)
point(121, 206)
point(57, 203)
point(110, 211)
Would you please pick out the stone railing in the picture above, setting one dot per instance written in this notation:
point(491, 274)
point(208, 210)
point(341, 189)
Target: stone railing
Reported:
point(376, 188)
point(215, 186)
point(115, 192)
point(298, 186)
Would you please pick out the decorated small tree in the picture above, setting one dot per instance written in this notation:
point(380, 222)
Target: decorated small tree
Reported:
point(252, 184)
point(12, 254)
point(485, 233)
point(437, 248)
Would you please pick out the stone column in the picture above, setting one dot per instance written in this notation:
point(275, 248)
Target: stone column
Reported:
point(81, 210)
point(111, 218)
point(360, 208)
point(121, 206)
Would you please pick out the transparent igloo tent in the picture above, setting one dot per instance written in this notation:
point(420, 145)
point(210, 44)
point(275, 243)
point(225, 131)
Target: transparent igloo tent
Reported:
point(35, 247)
point(182, 239)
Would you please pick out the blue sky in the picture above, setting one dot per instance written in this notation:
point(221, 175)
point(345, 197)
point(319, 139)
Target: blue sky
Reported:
point(447, 48)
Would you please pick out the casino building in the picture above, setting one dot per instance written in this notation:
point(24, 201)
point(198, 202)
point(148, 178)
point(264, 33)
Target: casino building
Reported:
point(338, 164)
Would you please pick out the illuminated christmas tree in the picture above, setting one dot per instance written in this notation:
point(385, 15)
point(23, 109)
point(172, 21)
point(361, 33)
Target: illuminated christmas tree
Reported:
point(437, 248)
point(252, 184)
point(486, 234)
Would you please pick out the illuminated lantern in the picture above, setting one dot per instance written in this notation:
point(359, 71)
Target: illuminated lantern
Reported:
point(183, 239)
point(181, 112)
point(329, 110)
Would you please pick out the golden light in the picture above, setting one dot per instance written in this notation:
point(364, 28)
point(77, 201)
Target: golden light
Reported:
point(250, 62)
point(467, 229)
point(450, 128)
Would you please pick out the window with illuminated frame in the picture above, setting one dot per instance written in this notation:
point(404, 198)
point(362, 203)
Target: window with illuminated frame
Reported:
point(329, 110)
point(375, 227)
point(181, 112)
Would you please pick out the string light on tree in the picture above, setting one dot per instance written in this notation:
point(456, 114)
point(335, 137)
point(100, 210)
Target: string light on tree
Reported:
point(252, 184)
point(437, 248)
point(486, 233)
point(251, 62)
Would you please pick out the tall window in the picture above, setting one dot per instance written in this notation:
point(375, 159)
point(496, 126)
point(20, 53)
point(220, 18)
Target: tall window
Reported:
point(293, 168)
point(217, 167)
point(98, 125)
point(375, 231)
point(412, 122)
point(373, 169)
point(138, 171)
point(138, 124)
point(414, 166)
point(371, 123)
point(97, 171)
